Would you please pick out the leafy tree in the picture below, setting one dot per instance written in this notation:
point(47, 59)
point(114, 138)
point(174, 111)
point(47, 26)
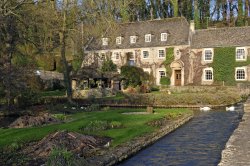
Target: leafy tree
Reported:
point(133, 75)
point(108, 66)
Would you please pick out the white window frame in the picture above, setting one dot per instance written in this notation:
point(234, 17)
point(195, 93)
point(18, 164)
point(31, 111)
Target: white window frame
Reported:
point(245, 73)
point(244, 56)
point(115, 55)
point(204, 55)
point(160, 75)
point(133, 39)
point(118, 40)
point(164, 36)
point(148, 38)
point(105, 41)
point(142, 52)
point(205, 74)
point(164, 54)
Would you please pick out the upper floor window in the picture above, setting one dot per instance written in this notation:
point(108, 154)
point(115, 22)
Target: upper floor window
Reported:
point(119, 40)
point(164, 36)
point(133, 39)
point(161, 54)
point(145, 54)
point(148, 38)
point(241, 53)
point(104, 41)
point(240, 73)
point(208, 74)
point(208, 55)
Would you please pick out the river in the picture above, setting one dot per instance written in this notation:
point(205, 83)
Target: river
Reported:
point(197, 143)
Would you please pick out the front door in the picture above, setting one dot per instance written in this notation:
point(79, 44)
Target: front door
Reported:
point(177, 77)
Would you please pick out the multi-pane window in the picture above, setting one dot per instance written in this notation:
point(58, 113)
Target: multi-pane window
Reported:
point(162, 74)
point(208, 74)
point(132, 39)
point(161, 54)
point(240, 54)
point(208, 55)
point(145, 54)
point(164, 36)
point(116, 55)
point(240, 74)
point(104, 41)
point(119, 40)
point(148, 38)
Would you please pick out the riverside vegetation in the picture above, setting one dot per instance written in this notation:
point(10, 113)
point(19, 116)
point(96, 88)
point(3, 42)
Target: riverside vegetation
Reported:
point(109, 122)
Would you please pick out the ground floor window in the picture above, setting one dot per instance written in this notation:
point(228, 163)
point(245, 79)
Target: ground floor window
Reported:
point(162, 74)
point(240, 73)
point(208, 74)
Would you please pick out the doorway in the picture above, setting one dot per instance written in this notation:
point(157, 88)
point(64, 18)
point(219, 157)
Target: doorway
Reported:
point(177, 77)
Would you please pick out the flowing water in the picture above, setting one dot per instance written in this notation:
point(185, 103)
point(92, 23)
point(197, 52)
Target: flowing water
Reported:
point(197, 143)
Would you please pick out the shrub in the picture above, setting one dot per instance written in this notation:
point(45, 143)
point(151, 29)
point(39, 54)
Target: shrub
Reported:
point(61, 117)
point(154, 88)
point(165, 81)
point(115, 124)
point(60, 156)
point(106, 109)
point(96, 126)
point(109, 66)
point(133, 76)
point(93, 107)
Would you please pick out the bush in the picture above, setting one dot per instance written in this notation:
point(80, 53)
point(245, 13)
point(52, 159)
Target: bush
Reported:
point(96, 126)
point(109, 66)
point(115, 124)
point(155, 88)
point(27, 98)
point(133, 76)
point(165, 81)
point(93, 107)
point(61, 117)
point(60, 156)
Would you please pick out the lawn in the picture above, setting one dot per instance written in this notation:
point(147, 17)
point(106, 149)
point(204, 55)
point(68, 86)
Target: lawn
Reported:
point(133, 126)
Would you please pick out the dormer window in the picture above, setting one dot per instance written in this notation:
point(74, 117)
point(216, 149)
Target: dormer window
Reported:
point(104, 41)
point(164, 36)
point(132, 39)
point(148, 38)
point(119, 40)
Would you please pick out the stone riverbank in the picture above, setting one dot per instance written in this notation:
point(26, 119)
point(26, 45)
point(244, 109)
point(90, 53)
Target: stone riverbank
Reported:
point(115, 155)
point(237, 150)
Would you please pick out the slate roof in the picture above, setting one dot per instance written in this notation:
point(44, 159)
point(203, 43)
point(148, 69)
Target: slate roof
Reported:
point(177, 29)
point(221, 37)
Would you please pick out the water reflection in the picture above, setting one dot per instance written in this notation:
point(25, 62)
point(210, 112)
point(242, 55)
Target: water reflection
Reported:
point(199, 142)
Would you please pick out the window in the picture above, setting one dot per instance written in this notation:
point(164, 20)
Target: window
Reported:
point(104, 41)
point(240, 54)
point(145, 54)
point(148, 38)
point(116, 55)
point(119, 40)
point(164, 36)
point(132, 39)
point(162, 74)
point(208, 55)
point(161, 54)
point(208, 74)
point(240, 73)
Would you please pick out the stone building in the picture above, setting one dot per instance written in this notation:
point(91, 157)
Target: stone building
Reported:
point(147, 44)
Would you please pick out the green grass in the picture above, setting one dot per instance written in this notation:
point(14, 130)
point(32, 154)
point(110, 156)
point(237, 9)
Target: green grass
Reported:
point(134, 125)
point(52, 93)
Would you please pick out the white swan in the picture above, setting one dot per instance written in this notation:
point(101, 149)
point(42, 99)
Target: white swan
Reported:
point(231, 108)
point(205, 108)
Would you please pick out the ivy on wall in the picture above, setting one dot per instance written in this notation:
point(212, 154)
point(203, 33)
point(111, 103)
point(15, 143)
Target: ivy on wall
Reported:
point(169, 59)
point(224, 64)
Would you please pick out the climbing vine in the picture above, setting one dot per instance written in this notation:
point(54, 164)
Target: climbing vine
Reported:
point(169, 59)
point(224, 64)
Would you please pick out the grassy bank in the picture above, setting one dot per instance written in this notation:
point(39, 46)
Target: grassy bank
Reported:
point(132, 126)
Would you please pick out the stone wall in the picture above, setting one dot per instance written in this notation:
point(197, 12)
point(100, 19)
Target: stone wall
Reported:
point(115, 155)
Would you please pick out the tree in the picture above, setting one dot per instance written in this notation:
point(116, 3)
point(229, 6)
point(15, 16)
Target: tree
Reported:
point(108, 66)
